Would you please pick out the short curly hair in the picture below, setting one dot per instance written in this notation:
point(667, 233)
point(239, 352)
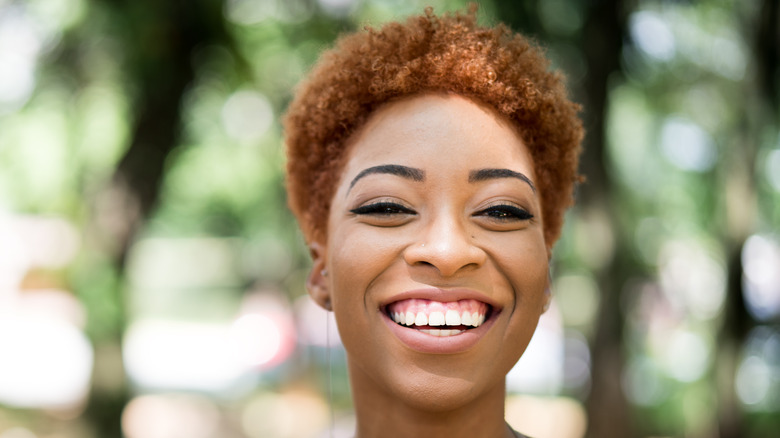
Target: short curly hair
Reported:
point(429, 53)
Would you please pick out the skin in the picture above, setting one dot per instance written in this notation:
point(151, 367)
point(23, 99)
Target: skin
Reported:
point(439, 228)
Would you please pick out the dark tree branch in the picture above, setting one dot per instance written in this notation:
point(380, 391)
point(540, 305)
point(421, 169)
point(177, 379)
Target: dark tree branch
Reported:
point(767, 52)
point(157, 40)
point(602, 43)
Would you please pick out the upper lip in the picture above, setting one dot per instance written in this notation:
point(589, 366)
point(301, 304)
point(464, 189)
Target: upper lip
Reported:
point(442, 295)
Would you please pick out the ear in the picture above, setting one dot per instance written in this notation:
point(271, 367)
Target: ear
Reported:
point(317, 281)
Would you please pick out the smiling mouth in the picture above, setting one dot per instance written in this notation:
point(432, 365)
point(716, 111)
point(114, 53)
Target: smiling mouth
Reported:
point(438, 318)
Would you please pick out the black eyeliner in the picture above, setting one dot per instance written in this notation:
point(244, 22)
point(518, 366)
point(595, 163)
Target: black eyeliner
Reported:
point(512, 212)
point(384, 208)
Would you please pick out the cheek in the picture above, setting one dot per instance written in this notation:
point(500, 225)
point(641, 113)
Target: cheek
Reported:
point(528, 272)
point(358, 256)
point(524, 262)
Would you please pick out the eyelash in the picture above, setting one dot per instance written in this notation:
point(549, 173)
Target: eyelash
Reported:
point(502, 212)
point(505, 212)
point(382, 209)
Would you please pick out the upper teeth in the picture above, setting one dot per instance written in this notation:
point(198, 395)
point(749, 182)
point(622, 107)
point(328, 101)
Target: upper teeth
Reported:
point(435, 319)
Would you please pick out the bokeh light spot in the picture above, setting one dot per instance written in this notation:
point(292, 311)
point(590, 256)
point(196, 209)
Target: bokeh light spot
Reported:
point(18, 432)
point(338, 8)
point(761, 278)
point(280, 415)
point(578, 298)
point(30, 346)
point(247, 115)
point(20, 44)
point(687, 356)
point(652, 35)
point(753, 380)
point(773, 169)
point(692, 279)
point(687, 146)
point(255, 339)
point(170, 416)
point(642, 382)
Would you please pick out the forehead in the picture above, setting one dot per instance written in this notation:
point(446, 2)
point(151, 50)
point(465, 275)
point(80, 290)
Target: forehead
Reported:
point(434, 129)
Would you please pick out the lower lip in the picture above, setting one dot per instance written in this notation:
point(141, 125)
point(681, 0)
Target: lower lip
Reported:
point(425, 343)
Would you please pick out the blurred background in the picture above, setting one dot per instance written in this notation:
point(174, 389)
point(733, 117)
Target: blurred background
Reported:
point(151, 277)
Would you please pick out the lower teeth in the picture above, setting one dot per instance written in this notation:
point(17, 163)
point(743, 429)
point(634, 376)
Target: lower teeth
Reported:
point(442, 333)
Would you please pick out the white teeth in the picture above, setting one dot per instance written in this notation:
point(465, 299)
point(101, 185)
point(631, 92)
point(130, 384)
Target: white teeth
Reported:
point(442, 333)
point(436, 319)
point(452, 318)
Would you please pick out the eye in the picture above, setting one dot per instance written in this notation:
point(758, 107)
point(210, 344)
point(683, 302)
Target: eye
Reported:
point(505, 213)
point(382, 209)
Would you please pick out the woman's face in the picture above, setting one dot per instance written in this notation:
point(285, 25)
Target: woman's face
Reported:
point(436, 260)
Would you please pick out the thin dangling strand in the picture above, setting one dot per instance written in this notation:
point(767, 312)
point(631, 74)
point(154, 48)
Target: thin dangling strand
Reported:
point(330, 375)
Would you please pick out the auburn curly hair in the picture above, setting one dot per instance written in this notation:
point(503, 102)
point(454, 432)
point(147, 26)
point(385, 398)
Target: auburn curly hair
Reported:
point(429, 53)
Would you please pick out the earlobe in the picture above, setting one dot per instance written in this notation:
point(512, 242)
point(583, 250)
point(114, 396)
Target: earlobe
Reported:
point(317, 281)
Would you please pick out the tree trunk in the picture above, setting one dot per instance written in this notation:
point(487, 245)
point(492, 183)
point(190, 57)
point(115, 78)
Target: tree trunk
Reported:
point(761, 108)
point(602, 43)
point(157, 41)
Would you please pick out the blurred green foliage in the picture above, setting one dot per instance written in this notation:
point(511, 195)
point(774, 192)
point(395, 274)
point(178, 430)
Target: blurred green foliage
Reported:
point(144, 120)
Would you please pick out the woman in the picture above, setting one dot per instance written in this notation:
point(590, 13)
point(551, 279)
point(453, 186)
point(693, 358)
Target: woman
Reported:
point(429, 166)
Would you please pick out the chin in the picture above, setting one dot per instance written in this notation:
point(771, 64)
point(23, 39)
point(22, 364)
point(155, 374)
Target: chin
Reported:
point(440, 391)
point(438, 394)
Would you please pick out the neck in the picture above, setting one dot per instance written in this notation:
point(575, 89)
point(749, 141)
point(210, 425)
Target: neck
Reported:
point(381, 414)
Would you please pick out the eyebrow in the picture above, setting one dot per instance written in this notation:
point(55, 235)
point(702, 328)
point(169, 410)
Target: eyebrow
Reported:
point(488, 174)
point(411, 173)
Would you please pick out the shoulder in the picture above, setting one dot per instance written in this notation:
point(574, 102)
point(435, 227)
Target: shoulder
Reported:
point(519, 435)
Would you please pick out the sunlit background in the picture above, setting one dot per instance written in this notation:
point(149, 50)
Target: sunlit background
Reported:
point(151, 278)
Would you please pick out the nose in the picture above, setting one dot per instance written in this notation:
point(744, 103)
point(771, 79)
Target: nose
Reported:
point(446, 245)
